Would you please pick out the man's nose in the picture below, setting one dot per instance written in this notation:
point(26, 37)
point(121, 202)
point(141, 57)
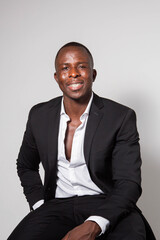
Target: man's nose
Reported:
point(74, 73)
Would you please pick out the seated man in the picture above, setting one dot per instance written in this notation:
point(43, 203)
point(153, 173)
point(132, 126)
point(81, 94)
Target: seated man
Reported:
point(89, 149)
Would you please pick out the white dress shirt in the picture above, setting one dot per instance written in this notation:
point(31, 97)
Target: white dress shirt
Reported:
point(73, 177)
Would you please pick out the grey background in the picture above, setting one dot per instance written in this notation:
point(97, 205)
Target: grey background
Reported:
point(124, 37)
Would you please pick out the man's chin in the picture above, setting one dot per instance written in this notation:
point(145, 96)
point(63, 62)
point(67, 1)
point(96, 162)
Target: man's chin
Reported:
point(78, 96)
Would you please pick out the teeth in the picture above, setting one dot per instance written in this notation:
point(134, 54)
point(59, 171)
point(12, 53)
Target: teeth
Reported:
point(75, 84)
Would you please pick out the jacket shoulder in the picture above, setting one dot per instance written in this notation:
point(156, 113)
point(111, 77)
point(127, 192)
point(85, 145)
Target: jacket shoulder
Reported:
point(116, 110)
point(44, 107)
point(109, 103)
point(47, 105)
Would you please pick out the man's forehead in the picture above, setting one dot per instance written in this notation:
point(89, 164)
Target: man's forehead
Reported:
point(73, 50)
point(78, 53)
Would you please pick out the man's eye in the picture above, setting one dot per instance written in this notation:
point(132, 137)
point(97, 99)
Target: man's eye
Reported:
point(65, 68)
point(82, 66)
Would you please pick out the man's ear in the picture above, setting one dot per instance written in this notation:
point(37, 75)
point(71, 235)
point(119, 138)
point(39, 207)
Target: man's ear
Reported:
point(94, 74)
point(55, 77)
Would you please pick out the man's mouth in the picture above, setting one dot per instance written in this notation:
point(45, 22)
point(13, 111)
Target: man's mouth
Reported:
point(75, 86)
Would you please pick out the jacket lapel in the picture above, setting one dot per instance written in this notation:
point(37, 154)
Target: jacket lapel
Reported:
point(94, 119)
point(53, 128)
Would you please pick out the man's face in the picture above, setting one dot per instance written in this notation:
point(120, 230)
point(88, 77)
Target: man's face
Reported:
point(75, 73)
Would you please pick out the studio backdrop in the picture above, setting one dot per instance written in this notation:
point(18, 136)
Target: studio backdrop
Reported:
point(124, 38)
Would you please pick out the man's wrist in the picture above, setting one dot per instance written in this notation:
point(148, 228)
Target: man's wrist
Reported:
point(94, 228)
point(101, 221)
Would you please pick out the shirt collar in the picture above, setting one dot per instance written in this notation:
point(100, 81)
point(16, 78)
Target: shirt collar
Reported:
point(86, 112)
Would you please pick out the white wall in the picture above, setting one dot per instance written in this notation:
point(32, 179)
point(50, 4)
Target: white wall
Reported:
point(124, 37)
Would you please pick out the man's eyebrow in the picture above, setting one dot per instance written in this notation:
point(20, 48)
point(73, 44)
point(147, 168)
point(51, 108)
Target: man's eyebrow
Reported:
point(83, 62)
point(70, 63)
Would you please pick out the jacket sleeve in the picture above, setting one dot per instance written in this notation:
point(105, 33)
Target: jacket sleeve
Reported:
point(28, 166)
point(126, 173)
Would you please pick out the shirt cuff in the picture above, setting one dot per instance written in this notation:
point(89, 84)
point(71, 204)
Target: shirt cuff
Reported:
point(38, 204)
point(101, 221)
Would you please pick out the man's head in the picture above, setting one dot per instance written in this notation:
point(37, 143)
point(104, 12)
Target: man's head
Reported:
point(74, 44)
point(74, 71)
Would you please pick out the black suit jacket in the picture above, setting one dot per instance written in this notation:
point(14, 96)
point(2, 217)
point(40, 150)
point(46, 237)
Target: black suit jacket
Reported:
point(111, 152)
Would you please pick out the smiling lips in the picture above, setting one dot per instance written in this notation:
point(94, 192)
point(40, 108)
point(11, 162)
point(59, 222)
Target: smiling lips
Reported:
point(75, 86)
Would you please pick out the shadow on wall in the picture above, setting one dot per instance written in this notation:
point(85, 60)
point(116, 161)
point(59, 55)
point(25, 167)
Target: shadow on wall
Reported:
point(148, 117)
point(150, 199)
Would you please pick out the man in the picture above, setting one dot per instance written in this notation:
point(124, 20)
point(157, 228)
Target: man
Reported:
point(89, 149)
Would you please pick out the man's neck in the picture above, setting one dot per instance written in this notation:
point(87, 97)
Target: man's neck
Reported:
point(75, 108)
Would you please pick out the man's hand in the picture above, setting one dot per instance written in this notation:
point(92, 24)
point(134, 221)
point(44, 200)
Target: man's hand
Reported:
point(89, 230)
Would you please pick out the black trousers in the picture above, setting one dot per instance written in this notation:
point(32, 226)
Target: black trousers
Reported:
point(55, 218)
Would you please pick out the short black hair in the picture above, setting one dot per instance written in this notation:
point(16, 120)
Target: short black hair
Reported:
point(74, 44)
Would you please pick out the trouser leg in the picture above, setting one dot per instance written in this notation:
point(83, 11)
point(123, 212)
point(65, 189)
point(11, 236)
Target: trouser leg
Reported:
point(56, 217)
point(130, 227)
point(50, 221)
